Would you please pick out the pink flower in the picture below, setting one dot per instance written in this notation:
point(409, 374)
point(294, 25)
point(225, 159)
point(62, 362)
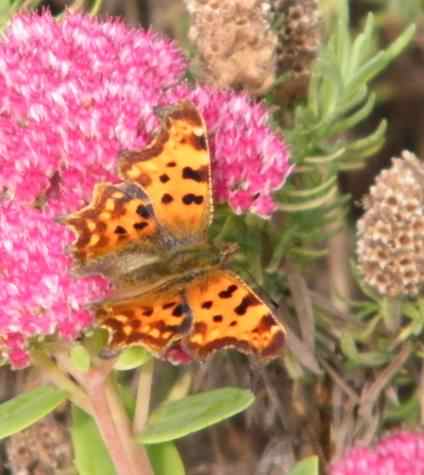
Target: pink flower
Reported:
point(73, 93)
point(401, 453)
point(38, 296)
point(249, 160)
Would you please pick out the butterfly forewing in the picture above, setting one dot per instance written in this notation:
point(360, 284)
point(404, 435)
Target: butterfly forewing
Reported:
point(228, 314)
point(118, 215)
point(153, 320)
point(174, 170)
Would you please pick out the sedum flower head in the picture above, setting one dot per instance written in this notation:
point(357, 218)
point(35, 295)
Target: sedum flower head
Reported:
point(401, 453)
point(391, 233)
point(72, 95)
point(38, 296)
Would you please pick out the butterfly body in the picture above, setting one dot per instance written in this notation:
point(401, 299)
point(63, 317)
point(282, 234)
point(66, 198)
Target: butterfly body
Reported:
point(149, 235)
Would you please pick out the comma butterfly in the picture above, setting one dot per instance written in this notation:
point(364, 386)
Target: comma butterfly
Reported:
point(148, 234)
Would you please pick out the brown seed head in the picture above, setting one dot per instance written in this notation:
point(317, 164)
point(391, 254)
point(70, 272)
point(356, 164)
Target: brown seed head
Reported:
point(391, 232)
point(234, 42)
point(299, 40)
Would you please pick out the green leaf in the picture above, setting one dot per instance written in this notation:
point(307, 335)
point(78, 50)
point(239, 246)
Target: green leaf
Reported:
point(24, 410)
point(165, 459)
point(176, 419)
point(132, 358)
point(361, 49)
point(366, 358)
point(80, 358)
point(356, 117)
point(342, 37)
point(382, 59)
point(309, 466)
point(91, 455)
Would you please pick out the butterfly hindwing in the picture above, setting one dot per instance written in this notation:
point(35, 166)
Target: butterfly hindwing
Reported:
point(228, 314)
point(117, 217)
point(153, 320)
point(174, 170)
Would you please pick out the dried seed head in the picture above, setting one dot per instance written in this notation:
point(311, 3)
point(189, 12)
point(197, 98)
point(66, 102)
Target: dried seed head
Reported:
point(299, 40)
point(390, 245)
point(45, 445)
point(234, 42)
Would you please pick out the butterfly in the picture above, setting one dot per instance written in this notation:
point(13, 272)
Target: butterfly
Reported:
point(149, 235)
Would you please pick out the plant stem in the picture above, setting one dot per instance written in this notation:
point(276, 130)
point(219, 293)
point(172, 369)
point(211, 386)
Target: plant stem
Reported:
point(135, 452)
point(391, 310)
point(101, 401)
point(143, 396)
point(303, 304)
point(96, 7)
point(114, 424)
point(59, 378)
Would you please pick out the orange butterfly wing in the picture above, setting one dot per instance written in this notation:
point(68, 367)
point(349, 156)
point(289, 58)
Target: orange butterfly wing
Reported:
point(117, 217)
point(153, 320)
point(174, 170)
point(165, 202)
point(228, 314)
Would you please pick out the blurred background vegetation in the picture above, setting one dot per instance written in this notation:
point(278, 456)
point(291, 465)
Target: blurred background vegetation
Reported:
point(335, 391)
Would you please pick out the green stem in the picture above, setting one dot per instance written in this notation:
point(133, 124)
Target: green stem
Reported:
point(59, 378)
point(96, 7)
point(391, 311)
point(180, 389)
point(143, 396)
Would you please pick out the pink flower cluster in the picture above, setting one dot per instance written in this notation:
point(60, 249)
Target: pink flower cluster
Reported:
point(401, 453)
point(73, 93)
point(37, 294)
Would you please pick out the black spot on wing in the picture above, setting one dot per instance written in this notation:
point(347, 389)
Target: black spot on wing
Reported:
point(120, 230)
point(167, 198)
point(191, 198)
point(140, 226)
point(228, 292)
point(180, 310)
point(145, 211)
point(147, 311)
point(247, 301)
point(199, 175)
point(207, 304)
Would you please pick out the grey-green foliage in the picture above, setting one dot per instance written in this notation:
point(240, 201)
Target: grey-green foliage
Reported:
point(339, 99)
